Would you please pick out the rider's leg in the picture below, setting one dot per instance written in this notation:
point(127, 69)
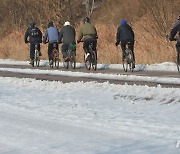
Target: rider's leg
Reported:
point(178, 50)
point(32, 50)
point(50, 47)
point(95, 47)
point(85, 47)
point(64, 51)
point(123, 47)
point(39, 49)
point(131, 46)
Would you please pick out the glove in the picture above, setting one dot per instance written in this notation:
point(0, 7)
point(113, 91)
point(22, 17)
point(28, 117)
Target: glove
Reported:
point(78, 41)
point(116, 43)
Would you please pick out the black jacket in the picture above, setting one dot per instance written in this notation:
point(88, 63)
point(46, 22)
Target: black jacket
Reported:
point(34, 34)
point(124, 33)
point(174, 31)
point(68, 34)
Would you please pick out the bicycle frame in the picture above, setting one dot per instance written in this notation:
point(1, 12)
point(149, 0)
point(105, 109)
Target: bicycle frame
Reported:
point(128, 61)
point(92, 61)
point(36, 56)
point(55, 57)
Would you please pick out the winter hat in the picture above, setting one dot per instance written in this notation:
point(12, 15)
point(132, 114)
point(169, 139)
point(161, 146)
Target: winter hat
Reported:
point(123, 22)
point(50, 24)
point(32, 23)
point(67, 23)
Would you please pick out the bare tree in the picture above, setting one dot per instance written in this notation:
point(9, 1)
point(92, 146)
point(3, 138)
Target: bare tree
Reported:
point(90, 5)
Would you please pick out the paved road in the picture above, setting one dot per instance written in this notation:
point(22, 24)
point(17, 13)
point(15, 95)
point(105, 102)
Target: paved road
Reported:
point(66, 79)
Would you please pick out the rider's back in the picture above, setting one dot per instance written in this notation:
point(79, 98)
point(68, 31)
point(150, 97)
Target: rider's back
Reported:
point(87, 31)
point(68, 34)
point(53, 35)
point(125, 32)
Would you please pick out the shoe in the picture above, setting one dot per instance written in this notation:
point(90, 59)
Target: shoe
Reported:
point(87, 56)
point(31, 62)
point(133, 65)
point(50, 62)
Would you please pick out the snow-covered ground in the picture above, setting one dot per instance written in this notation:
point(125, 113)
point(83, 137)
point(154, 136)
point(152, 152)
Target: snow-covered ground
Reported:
point(42, 117)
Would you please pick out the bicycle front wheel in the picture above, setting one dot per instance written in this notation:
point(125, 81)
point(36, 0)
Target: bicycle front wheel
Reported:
point(178, 61)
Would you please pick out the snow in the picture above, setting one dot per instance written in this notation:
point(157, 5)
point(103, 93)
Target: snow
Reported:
point(43, 117)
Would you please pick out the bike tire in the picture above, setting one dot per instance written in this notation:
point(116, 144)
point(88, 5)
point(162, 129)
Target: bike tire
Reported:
point(125, 62)
point(37, 58)
point(56, 63)
point(72, 60)
point(94, 60)
point(178, 62)
point(87, 63)
point(131, 61)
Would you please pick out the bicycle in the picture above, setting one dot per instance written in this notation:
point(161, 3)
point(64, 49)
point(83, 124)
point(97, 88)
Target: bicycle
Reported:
point(91, 61)
point(36, 59)
point(71, 60)
point(55, 57)
point(128, 59)
point(71, 57)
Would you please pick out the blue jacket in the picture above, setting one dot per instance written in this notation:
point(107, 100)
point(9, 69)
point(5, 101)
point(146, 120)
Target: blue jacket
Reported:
point(52, 34)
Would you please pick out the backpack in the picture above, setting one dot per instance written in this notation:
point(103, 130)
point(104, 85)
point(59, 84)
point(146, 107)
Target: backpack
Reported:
point(34, 32)
point(72, 46)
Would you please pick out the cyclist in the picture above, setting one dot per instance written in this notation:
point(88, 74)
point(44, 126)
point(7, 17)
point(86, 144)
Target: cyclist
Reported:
point(33, 35)
point(52, 36)
point(124, 35)
point(174, 31)
point(89, 35)
point(68, 35)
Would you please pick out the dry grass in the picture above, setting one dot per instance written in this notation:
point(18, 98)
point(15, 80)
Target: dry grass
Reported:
point(149, 48)
point(149, 19)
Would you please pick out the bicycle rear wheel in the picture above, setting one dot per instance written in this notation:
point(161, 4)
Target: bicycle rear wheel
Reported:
point(131, 61)
point(72, 60)
point(37, 58)
point(125, 61)
point(56, 63)
point(178, 61)
point(94, 60)
point(87, 63)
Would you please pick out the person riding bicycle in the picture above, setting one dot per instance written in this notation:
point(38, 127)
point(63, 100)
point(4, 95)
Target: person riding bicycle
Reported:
point(174, 31)
point(125, 35)
point(88, 34)
point(52, 36)
point(33, 35)
point(68, 35)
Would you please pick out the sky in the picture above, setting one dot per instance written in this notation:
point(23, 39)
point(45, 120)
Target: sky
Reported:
point(50, 117)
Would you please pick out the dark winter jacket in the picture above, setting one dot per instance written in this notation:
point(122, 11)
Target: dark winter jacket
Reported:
point(124, 33)
point(68, 34)
point(34, 34)
point(174, 31)
point(52, 35)
point(87, 31)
